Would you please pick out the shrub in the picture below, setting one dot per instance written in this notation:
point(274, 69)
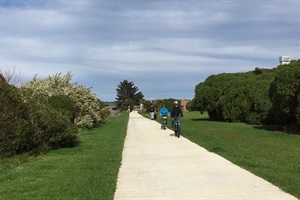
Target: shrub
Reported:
point(13, 128)
point(285, 94)
point(236, 97)
point(63, 104)
point(29, 123)
point(87, 110)
point(49, 128)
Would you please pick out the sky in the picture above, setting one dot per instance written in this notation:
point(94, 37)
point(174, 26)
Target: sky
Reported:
point(165, 47)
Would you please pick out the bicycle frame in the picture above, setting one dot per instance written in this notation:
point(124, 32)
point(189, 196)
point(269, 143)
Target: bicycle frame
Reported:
point(164, 122)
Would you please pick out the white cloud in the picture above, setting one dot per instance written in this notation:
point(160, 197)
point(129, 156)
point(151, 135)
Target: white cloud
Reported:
point(104, 42)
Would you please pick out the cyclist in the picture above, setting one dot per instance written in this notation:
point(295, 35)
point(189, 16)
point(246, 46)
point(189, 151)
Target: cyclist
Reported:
point(163, 113)
point(176, 113)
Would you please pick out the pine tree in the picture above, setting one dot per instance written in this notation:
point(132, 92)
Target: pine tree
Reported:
point(128, 95)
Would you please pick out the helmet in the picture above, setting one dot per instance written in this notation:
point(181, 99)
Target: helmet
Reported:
point(175, 102)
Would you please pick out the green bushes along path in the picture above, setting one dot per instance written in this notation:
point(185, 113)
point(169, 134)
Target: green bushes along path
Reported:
point(262, 96)
point(88, 171)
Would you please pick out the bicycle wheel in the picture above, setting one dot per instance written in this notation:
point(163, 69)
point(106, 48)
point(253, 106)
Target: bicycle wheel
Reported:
point(164, 124)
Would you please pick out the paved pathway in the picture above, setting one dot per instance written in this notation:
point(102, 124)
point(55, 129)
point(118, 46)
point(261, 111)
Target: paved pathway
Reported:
point(157, 165)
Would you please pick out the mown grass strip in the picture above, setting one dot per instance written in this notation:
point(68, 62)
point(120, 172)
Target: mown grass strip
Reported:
point(88, 171)
point(274, 156)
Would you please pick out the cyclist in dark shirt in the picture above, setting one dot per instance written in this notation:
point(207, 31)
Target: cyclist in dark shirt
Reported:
point(176, 113)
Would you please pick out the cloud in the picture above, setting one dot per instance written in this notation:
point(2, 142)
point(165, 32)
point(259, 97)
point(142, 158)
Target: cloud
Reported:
point(156, 44)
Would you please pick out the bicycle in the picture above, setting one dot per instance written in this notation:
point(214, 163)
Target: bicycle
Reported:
point(177, 127)
point(164, 122)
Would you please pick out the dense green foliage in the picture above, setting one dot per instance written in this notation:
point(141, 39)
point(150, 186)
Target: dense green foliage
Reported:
point(64, 104)
point(30, 123)
point(128, 95)
point(262, 96)
point(157, 104)
point(236, 97)
point(12, 124)
point(45, 114)
point(88, 171)
point(169, 103)
point(285, 94)
point(88, 110)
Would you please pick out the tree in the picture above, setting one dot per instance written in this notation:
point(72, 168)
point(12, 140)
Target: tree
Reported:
point(128, 95)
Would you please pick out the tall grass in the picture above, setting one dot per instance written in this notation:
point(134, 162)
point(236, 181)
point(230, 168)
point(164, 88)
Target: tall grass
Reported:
point(85, 172)
point(274, 156)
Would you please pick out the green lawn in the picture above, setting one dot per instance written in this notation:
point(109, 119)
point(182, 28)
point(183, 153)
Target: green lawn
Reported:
point(274, 156)
point(88, 171)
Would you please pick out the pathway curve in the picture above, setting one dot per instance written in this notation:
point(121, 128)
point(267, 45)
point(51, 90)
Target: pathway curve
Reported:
point(157, 165)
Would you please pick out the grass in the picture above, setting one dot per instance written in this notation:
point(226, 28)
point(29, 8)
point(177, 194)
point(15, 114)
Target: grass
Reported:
point(88, 171)
point(274, 156)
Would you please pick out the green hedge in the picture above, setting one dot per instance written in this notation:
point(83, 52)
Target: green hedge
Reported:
point(236, 97)
point(285, 94)
point(262, 96)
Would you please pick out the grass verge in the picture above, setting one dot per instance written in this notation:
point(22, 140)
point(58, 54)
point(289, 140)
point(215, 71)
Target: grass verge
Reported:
point(88, 171)
point(274, 156)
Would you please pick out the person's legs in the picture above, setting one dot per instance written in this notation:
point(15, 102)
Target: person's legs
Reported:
point(151, 115)
point(178, 123)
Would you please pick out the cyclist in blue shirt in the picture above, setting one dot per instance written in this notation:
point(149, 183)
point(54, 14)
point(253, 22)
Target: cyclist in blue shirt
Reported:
point(163, 112)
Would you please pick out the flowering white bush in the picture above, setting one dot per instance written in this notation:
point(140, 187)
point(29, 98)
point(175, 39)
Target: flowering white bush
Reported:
point(89, 110)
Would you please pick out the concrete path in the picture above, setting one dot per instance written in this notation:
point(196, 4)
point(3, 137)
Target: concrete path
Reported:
point(157, 165)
